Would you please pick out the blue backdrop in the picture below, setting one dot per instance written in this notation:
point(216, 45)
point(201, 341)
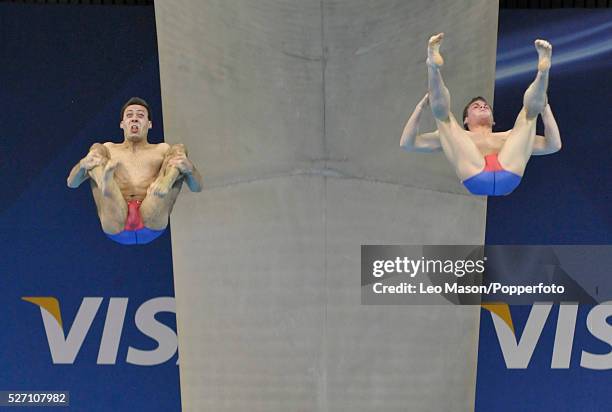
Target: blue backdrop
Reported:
point(563, 199)
point(66, 71)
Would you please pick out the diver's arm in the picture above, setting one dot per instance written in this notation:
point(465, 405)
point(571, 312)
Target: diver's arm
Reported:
point(188, 171)
point(411, 140)
point(79, 174)
point(551, 141)
point(193, 180)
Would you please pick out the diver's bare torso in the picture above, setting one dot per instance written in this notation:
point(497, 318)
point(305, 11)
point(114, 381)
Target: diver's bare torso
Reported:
point(137, 167)
point(488, 144)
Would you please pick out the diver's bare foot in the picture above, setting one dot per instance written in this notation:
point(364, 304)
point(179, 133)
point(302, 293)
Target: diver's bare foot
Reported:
point(108, 175)
point(544, 49)
point(434, 58)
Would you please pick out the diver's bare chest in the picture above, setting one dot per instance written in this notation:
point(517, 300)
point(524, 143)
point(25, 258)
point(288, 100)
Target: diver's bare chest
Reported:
point(136, 166)
point(489, 144)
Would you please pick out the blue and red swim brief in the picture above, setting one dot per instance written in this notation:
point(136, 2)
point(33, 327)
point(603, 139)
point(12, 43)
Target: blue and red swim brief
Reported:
point(493, 180)
point(135, 232)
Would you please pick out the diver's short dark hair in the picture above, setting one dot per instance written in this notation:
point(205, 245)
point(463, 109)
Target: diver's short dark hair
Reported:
point(139, 102)
point(467, 106)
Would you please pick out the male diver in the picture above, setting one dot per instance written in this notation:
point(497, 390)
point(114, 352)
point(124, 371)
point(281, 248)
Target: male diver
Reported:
point(487, 163)
point(135, 183)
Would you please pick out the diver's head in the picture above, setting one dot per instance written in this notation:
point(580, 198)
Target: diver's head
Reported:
point(135, 119)
point(477, 112)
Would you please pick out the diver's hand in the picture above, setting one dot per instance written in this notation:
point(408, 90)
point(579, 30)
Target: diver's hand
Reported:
point(92, 160)
point(182, 163)
point(424, 102)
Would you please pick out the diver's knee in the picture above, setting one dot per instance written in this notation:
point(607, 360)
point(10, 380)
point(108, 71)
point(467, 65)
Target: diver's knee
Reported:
point(534, 105)
point(100, 149)
point(178, 148)
point(440, 111)
point(532, 111)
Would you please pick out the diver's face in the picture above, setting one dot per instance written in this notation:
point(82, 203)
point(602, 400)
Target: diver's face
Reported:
point(479, 113)
point(135, 122)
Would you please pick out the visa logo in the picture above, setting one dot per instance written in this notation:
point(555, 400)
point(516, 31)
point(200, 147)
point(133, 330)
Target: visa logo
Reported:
point(518, 353)
point(64, 347)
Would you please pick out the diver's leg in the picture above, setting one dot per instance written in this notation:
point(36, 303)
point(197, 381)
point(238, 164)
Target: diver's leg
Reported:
point(459, 149)
point(112, 208)
point(163, 192)
point(439, 96)
point(167, 174)
point(156, 210)
point(518, 147)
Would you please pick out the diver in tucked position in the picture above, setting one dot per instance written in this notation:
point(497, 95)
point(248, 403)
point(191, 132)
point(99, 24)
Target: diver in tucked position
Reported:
point(135, 183)
point(487, 163)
